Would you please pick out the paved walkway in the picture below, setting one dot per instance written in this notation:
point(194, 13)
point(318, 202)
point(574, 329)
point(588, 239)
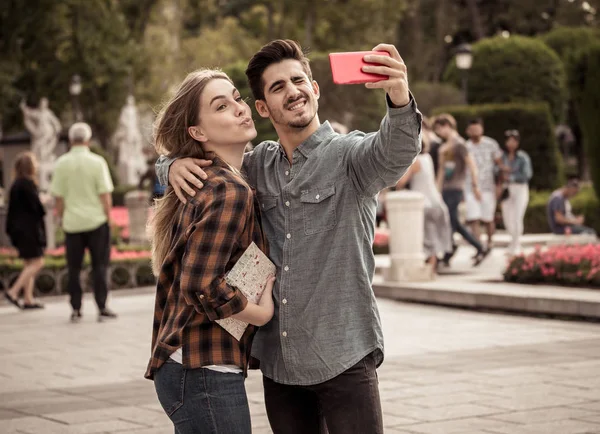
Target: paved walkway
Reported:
point(446, 371)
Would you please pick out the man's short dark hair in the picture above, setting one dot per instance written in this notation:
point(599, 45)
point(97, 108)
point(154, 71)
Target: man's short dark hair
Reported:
point(475, 121)
point(274, 52)
point(573, 181)
point(445, 120)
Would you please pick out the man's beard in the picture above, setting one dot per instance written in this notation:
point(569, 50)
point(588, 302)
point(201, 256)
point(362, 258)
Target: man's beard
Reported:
point(298, 124)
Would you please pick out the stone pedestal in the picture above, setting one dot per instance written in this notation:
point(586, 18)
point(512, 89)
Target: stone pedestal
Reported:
point(137, 206)
point(405, 217)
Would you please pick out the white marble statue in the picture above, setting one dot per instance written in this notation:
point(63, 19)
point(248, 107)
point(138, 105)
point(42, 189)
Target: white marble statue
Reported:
point(44, 128)
point(129, 143)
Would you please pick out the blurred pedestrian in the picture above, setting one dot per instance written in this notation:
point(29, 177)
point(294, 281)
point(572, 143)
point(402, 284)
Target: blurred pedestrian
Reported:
point(437, 228)
point(487, 155)
point(26, 229)
point(517, 171)
point(434, 142)
point(560, 212)
point(82, 186)
point(454, 160)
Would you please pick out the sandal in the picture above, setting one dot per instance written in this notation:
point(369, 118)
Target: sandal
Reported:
point(11, 300)
point(35, 305)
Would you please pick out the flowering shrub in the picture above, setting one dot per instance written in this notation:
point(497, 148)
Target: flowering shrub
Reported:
point(565, 265)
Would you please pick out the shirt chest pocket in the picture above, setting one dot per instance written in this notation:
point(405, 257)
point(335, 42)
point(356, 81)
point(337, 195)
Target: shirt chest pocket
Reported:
point(318, 207)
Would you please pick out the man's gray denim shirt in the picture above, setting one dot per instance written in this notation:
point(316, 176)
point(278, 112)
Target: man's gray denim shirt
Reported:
point(319, 217)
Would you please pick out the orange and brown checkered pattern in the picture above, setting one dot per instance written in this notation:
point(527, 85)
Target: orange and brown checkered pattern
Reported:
point(213, 230)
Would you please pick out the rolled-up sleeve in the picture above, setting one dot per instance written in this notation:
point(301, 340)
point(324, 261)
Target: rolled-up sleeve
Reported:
point(378, 160)
point(212, 239)
point(161, 167)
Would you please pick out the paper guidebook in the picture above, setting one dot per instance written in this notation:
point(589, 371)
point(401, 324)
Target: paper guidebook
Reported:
point(248, 275)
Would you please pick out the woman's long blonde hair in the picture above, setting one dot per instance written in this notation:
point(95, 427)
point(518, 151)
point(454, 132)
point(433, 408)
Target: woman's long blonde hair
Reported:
point(171, 138)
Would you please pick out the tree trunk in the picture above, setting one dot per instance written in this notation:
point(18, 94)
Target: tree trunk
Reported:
point(441, 24)
point(308, 24)
point(475, 19)
point(270, 20)
point(409, 39)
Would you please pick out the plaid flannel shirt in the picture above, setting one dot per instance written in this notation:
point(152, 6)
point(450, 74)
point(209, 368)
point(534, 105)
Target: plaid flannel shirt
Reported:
point(212, 231)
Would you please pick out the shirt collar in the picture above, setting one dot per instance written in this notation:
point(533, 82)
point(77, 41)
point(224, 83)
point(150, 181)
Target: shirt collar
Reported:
point(323, 132)
point(79, 149)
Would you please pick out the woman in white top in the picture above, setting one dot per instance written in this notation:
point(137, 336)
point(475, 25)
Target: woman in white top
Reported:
point(421, 175)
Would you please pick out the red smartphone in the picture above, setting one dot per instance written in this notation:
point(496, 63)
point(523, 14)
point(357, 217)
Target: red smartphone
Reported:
point(346, 68)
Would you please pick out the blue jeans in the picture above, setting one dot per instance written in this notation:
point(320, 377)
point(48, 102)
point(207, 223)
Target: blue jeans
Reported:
point(453, 198)
point(203, 401)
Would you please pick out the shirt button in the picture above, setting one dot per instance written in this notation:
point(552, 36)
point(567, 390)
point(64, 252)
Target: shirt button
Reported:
point(284, 301)
point(286, 268)
point(287, 204)
point(317, 196)
point(289, 236)
point(284, 334)
point(287, 172)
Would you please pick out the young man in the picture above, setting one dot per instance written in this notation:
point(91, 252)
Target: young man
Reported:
point(82, 186)
point(455, 163)
point(487, 155)
point(317, 192)
point(560, 213)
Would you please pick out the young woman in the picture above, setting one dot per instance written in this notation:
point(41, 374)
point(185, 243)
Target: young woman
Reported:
point(422, 178)
point(517, 172)
point(26, 229)
point(198, 368)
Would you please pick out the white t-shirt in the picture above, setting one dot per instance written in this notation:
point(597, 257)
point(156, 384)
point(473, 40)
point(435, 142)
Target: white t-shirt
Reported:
point(485, 153)
point(177, 356)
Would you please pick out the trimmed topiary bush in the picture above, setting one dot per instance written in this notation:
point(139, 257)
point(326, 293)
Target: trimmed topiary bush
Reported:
point(537, 135)
point(585, 90)
point(515, 69)
point(567, 40)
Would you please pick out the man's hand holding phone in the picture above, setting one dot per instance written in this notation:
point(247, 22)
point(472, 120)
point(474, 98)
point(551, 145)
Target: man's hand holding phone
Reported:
point(396, 85)
point(382, 68)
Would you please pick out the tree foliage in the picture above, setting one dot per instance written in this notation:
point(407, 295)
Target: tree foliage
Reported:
point(585, 70)
point(517, 69)
point(44, 46)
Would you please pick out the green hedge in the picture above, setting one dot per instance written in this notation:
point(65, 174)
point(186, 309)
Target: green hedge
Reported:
point(586, 203)
point(565, 41)
point(515, 69)
point(537, 135)
point(429, 96)
point(585, 90)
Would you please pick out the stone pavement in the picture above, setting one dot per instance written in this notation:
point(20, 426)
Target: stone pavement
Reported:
point(446, 371)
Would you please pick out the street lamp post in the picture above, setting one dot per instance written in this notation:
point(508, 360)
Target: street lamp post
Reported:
point(75, 91)
point(464, 60)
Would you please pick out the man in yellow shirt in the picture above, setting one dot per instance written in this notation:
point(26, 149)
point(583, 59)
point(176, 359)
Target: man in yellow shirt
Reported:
point(82, 186)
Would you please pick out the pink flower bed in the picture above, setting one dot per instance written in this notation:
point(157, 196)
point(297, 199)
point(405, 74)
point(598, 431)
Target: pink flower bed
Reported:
point(565, 265)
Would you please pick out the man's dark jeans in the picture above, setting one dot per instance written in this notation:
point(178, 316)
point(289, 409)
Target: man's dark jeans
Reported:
point(201, 401)
point(98, 243)
point(346, 404)
point(453, 198)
